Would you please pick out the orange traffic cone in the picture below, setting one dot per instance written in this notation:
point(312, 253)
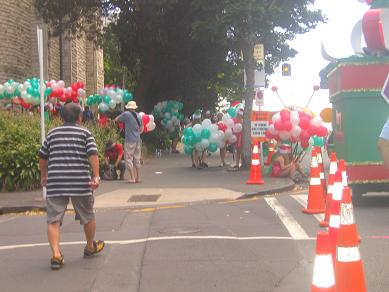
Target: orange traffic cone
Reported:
point(323, 269)
point(315, 195)
point(342, 169)
point(255, 169)
point(270, 153)
point(348, 265)
point(321, 167)
point(335, 211)
point(331, 180)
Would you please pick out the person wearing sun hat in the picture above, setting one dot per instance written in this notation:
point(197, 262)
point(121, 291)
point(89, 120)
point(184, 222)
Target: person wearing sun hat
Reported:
point(283, 164)
point(133, 127)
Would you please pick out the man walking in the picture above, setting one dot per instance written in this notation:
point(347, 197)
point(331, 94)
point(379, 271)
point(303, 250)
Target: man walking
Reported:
point(133, 128)
point(64, 169)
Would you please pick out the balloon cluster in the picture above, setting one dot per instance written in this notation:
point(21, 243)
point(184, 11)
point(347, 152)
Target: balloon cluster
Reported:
point(211, 136)
point(168, 113)
point(109, 97)
point(72, 93)
point(148, 122)
point(203, 136)
point(295, 126)
point(9, 89)
point(232, 111)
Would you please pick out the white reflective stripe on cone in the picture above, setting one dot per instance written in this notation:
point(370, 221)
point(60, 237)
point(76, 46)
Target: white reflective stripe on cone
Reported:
point(314, 162)
point(344, 178)
point(333, 168)
point(346, 214)
point(334, 221)
point(321, 175)
point(255, 162)
point(323, 272)
point(348, 254)
point(330, 189)
point(315, 181)
point(255, 149)
point(337, 192)
point(319, 159)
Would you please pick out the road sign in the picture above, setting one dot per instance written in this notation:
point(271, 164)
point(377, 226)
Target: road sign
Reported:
point(260, 121)
point(385, 90)
point(259, 53)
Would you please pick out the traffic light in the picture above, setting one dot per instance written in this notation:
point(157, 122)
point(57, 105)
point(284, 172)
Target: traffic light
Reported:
point(286, 69)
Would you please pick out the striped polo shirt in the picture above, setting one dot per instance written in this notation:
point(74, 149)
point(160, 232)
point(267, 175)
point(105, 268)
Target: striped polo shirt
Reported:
point(67, 149)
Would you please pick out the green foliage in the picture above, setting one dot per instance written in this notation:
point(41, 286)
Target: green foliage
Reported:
point(157, 139)
point(19, 146)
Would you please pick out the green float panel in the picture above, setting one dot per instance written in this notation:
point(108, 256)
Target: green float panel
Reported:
point(358, 118)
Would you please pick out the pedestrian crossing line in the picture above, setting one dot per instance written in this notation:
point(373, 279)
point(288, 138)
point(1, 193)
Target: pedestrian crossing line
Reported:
point(162, 238)
point(294, 229)
point(302, 200)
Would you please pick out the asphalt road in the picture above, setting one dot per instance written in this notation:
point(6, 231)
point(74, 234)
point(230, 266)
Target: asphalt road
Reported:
point(236, 246)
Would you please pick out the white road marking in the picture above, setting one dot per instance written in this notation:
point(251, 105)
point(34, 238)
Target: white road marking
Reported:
point(142, 240)
point(295, 230)
point(302, 200)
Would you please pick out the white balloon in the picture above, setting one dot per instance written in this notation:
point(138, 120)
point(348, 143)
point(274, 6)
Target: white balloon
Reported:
point(272, 130)
point(151, 127)
point(1, 88)
point(214, 137)
point(204, 143)
point(197, 129)
point(119, 98)
point(228, 133)
point(237, 128)
point(206, 123)
point(24, 94)
point(232, 139)
point(284, 135)
point(81, 93)
point(229, 123)
point(311, 142)
point(61, 84)
point(294, 118)
point(276, 117)
point(221, 144)
point(112, 104)
point(9, 88)
point(141, 114)
point(225, 118)
point(151, 118)
point(296, 131)
point(213, 128)
point(316, 121)
point(103, 107)
point(167, 115)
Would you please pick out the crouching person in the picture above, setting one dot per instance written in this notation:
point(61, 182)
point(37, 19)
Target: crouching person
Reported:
point(114, 161)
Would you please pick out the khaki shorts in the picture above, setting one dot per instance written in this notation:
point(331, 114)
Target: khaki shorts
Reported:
point(83, 206)
point(132, 153)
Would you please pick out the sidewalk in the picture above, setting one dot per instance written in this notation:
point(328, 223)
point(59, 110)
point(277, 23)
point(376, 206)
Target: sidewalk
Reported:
point(167, 180)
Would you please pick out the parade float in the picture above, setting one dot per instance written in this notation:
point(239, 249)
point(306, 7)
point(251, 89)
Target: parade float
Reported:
point(359, 109)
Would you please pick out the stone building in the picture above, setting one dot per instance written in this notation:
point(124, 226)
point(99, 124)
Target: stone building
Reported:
point(69, 60)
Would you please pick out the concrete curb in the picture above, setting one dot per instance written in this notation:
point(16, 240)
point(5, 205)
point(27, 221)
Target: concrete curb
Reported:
point(268, 192)
point(21, 209)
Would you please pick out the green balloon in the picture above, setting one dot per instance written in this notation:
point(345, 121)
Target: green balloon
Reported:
point(318, 141)
point(188, 131)
point(212, 147)
point(106, 99)
point(188, 149)
point(127, 96)
point(197, 137)
point(232, 112)
point(48, 91)
point(190, 140)
point(205, 133)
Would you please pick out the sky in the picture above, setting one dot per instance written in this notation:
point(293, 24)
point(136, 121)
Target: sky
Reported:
point(306, 65)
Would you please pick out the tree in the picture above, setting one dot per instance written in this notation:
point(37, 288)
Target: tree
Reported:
point(191, 49)
point(270, 22)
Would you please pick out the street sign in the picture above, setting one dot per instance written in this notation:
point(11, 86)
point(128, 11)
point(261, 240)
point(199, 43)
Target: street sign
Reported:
point(259, 53)
point(385, 90)
point(260, 121)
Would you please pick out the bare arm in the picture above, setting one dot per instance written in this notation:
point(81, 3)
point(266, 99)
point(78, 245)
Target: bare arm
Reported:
point(43, 170)
point(94, 162)
point(383, 147)
point(282, 163)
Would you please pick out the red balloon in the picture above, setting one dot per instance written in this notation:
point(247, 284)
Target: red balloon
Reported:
point(222, 126)
point(304, 136)
point(279, 126)
point(74, 94)
point(287, 126)
point(268, 134)
point(322, 131)
point(145, 119)
point(285, 115)
point(312, 130)
point(304, 123)
point(304, 144)
point(316, 87)
point(274, 88)
point(74, 86)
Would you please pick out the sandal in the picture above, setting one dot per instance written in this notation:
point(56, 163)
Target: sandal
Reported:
point(98, 246)
point(57, 263)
